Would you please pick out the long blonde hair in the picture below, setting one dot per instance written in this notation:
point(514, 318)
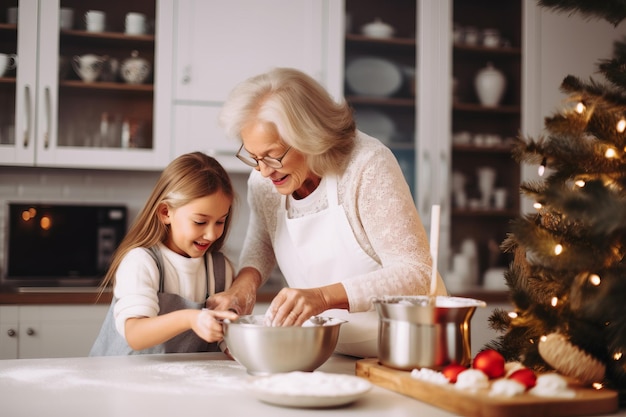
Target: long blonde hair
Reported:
point(186, 178)
point(305, 115)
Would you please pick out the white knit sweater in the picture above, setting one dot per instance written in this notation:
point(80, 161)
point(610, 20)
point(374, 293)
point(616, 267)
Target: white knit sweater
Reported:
point(137, 282)
point(380, 209)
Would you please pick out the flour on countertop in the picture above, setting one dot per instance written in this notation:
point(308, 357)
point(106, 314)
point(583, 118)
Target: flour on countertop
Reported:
point(145, 377)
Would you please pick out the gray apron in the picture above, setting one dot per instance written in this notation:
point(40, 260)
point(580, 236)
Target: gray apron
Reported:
point(111, 343)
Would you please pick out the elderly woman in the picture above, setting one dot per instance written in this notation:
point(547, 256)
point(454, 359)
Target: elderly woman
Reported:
point(329, 205)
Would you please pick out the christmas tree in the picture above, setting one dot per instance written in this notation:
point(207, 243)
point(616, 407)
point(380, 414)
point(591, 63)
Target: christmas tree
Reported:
point(568, 278)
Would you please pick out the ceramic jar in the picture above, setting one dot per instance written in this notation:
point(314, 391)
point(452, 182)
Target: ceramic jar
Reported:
point(490, 84)
point(135, 70)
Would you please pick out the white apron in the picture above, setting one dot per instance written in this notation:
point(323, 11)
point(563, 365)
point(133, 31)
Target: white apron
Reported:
point(320, 249)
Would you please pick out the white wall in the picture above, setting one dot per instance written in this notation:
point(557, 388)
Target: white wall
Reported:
point(566, 44)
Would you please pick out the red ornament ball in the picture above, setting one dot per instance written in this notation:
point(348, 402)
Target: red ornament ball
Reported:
point(452, 371)
point(490, 362)
point(524, 376)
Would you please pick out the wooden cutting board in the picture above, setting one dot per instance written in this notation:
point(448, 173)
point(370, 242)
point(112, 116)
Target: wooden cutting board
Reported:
point(587, 401)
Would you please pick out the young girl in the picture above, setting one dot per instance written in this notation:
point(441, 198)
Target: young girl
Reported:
point(169, 263)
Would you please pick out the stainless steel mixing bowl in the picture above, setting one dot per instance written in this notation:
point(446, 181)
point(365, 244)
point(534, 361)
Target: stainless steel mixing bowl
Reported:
point(413, 333)
point(264, 350)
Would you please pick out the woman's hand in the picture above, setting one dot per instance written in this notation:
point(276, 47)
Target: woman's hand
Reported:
point(207, 324)
point(292, 306)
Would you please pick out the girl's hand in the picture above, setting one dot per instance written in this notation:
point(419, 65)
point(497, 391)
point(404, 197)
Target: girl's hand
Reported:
point(208, 326)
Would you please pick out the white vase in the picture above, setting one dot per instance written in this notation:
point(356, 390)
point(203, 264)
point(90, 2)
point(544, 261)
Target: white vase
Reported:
point(490, 84)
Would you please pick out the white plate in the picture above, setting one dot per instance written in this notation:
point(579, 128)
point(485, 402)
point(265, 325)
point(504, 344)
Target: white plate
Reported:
point(309, 389)
point(372, 76)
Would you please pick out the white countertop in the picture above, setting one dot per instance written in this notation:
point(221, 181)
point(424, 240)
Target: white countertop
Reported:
point(198, 384)
point(189, 385)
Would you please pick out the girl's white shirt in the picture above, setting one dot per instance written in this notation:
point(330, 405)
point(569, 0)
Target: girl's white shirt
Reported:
point(137, 282)
point(381, 212)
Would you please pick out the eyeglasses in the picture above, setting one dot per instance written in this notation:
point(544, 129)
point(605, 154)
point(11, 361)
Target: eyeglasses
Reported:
point(275, 163)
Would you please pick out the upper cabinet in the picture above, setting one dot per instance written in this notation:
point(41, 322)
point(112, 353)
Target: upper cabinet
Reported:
point(440, 83)
point(221, 43)
point(380, 67)
point(486, 116)
point(83, 92)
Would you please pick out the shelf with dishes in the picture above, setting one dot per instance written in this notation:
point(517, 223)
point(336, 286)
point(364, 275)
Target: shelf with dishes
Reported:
point(104, 38)
point(106, 86)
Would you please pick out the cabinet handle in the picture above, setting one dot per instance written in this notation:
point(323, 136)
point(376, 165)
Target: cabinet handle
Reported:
point(46, 135)
point(30, 331)
point(425, 180)
point(11, 333)
point(29, 112)
point(186, 75)
point(443, 201)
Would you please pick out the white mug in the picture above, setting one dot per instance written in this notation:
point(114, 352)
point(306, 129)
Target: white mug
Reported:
point(135, 23)
point(7, 62)
point(66, 18)
point(88, 66)
point(95, 21)
point(12, 15)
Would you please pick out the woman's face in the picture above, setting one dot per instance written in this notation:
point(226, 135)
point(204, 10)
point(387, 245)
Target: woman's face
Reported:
point(261, 139)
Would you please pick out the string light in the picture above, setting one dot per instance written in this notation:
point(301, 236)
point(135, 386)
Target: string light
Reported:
point(617, 356)
point(621, 125)
point(554, 301)
point(558, 249)
point(513, 314)
point(542, 168)
point(597, 385)
point(594, 279)
point(537, 205)
point(580, 108)
point(580, 183)
point(610, 153)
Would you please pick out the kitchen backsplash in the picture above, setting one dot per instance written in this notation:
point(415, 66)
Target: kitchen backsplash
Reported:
point(131, 188)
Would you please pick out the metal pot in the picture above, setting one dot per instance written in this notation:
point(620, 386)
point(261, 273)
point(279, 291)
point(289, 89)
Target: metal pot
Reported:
point(415, 334)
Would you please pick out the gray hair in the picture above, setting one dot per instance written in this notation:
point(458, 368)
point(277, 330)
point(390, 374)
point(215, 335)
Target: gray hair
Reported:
point(303, 112)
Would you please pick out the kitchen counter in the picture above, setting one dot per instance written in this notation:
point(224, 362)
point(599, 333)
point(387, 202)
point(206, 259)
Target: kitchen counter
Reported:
point(60, 295)
point(198, 384)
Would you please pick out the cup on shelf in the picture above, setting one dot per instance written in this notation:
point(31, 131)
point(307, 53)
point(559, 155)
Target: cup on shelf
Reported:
point(500, 198)
point(88, 67)
point(7, 62)
point(66, 18)
point(135, 23)
point(491, 38)
point(12, 15)
point(95, 21)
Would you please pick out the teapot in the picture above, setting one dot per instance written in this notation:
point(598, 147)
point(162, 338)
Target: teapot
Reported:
point(88, 66)
point(135, 70)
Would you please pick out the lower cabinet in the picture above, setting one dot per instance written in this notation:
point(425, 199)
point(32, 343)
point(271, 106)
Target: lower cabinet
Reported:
point(50, 331)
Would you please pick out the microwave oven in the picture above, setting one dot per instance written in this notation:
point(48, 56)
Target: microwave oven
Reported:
point(61, 245)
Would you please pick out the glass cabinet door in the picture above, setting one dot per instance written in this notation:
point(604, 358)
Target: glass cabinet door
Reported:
point(8, 71)
point(83, 92)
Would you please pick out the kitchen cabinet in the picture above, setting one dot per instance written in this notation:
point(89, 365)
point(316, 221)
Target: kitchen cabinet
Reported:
point(434, 107)
point(39, 331)
point(54, 118)
point(487, 36)
point(413, 116)
point(221, 43)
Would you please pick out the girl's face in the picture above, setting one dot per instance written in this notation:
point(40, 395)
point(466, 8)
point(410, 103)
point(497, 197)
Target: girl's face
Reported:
point(260, 140)
point(196, 225)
